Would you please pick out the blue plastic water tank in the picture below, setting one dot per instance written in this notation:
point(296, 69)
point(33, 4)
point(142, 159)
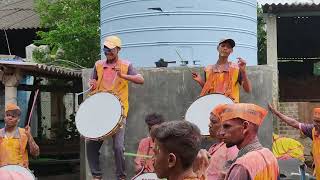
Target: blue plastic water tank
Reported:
point(154, 29)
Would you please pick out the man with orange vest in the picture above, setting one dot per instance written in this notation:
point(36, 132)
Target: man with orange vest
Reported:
point(310, 130)
point(14, 140)
point(112, 75)
point(240, 125)
point(225, 77)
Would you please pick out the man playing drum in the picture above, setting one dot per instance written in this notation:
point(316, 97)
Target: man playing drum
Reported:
point(112, 75)
point(146, 145)
point(15, 141)
point(224, 77)
point(176, 146)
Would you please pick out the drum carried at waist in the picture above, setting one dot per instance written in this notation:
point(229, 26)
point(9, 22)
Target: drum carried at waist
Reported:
point(15, 172)
point(99, 116)
point(199, 111)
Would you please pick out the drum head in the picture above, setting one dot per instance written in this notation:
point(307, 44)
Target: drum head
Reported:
point(149, 176)
point(19, 169)
point(98, 115)
point(199, 111)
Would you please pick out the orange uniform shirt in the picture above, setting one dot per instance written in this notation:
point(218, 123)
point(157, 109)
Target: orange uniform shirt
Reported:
point(224, 79)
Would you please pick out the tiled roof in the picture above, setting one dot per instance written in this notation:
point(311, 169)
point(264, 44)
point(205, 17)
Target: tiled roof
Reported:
point(290, 7)
point(18, 14)
point(31, 68)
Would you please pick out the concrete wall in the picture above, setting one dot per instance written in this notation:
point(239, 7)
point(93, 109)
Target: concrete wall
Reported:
point(170, 91)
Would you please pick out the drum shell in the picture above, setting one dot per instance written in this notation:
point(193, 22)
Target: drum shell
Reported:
point(149, 176)
point(26, 173)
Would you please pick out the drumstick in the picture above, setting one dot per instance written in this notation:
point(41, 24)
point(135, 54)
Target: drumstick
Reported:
point(183, 60)
point(137, 155)
point(84, 91)
point(34, 101)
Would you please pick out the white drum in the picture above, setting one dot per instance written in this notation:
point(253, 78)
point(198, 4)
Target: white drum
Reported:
point(26, 173)
point(99, 116)
point(199, 111)
point(147, 176)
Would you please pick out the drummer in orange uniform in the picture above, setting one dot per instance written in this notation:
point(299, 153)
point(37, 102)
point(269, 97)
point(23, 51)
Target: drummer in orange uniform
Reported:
point(146, 145)
point(15, 141)
point(112, 74)
point(225, 77)
point(240, 125)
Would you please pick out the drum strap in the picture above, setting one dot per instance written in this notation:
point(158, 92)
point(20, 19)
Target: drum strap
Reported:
point(22, 150)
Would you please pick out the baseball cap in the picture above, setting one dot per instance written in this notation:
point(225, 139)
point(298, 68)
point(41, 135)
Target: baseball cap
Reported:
point(112, 42)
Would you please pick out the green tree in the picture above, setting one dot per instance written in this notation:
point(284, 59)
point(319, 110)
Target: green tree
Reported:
point(262, 37)
point(73, 26)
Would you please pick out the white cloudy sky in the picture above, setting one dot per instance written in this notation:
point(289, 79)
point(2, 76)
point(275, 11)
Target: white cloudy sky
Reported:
point(287, 1)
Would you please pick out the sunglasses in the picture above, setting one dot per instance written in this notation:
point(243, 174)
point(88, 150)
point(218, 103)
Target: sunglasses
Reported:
point(106, 49)
point(14, 115)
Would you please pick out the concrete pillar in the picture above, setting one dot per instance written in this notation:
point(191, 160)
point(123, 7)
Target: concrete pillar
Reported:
point(272, 52)
point(84, 166)
point(10, 79)
point(10, 94)
point(272, 58)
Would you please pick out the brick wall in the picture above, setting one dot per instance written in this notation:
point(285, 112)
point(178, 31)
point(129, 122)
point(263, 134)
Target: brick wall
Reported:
point(290, 109)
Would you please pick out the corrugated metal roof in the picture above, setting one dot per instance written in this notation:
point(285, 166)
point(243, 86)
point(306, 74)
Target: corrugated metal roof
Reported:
point(290, 7)
point(18, 14)
point(42, 69)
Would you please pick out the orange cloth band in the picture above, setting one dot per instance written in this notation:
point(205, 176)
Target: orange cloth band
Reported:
point(249, 112)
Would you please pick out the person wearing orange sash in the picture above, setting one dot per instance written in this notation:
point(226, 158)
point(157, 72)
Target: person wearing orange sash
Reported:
point(146, 145)
point(15, 141)
point(225, 77)
point(310, 130)
point(112, 75)
point(218, 152)
point(240, 125)
point(176, 146)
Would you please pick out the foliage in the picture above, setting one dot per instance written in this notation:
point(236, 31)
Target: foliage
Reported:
point(70, 25)
point(262, 38)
